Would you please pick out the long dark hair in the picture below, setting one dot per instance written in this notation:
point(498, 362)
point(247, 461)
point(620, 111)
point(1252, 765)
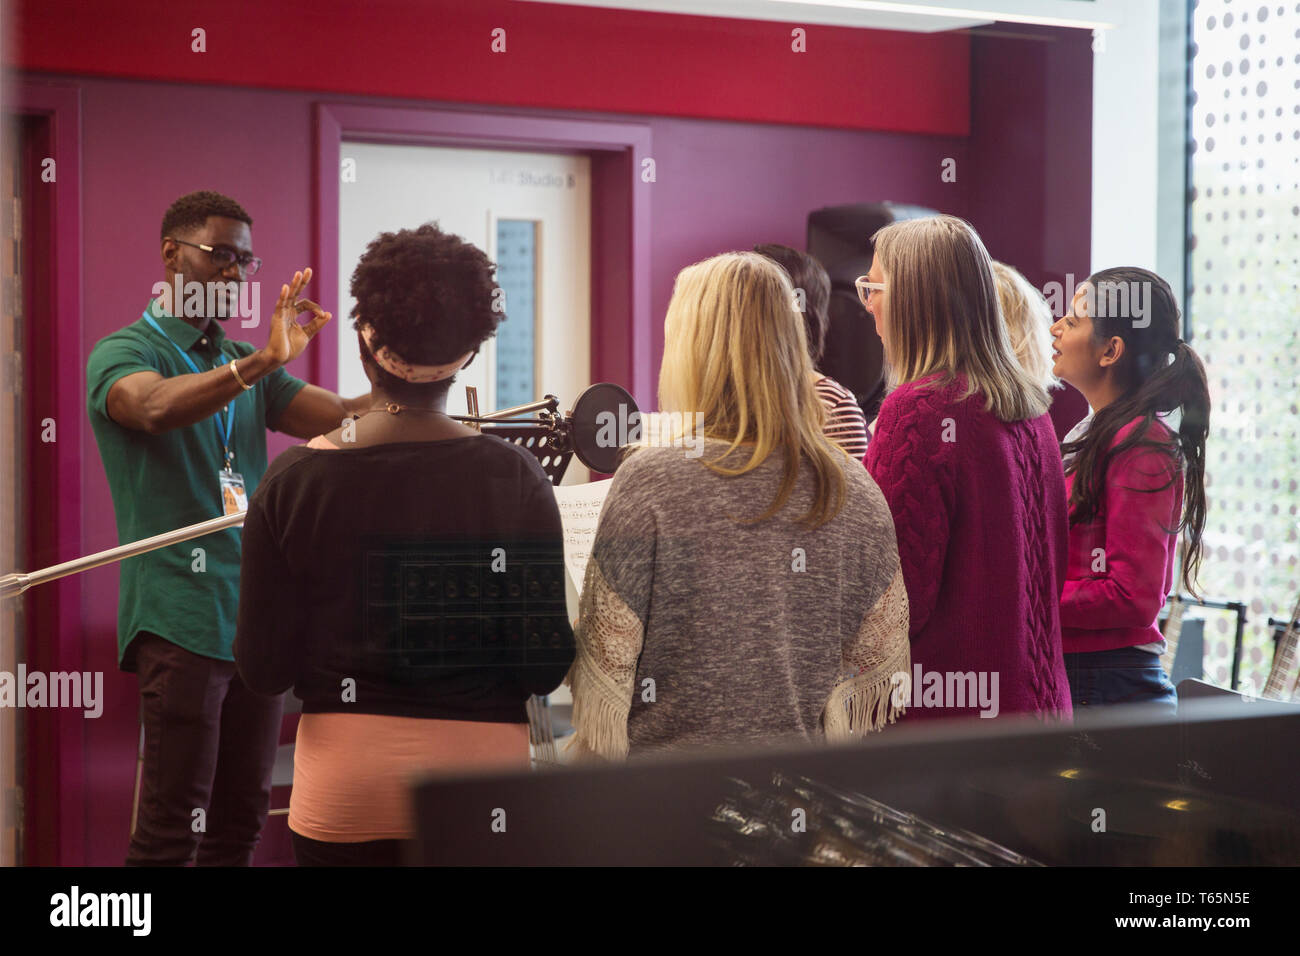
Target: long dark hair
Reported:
point(806, 273)
point(1153, 384)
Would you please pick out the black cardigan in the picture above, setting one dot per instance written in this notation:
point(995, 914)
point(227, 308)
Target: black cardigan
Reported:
point(415, 579)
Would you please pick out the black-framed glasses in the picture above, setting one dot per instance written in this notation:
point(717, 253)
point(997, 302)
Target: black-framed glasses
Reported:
point(223, 256)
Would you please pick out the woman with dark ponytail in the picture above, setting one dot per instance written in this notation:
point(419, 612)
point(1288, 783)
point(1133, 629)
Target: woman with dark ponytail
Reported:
point(1134, 482)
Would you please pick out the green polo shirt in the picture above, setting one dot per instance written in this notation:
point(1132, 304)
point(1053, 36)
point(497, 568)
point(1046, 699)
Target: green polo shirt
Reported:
point(163, 482)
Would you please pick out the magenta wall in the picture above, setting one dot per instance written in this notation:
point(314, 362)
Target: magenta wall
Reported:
point(1031, 160)
point(728, 186)
point(719, 186)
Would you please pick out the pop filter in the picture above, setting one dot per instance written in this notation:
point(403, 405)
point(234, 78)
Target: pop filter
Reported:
point(604, 419)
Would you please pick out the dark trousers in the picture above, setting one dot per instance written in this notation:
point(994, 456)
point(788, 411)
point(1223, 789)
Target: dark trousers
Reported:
point(209, 745)
point(1122, 676)
point(309, 852)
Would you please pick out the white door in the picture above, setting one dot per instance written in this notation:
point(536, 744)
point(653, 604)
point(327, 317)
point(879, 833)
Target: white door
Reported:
point(531, 214)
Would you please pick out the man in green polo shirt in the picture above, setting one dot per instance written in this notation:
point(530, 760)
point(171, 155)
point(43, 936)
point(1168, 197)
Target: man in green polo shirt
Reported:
point(180, 413)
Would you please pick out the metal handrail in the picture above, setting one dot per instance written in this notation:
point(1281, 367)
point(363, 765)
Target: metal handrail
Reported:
point(19, 581)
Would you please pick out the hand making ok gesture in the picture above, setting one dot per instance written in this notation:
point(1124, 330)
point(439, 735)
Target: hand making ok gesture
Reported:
point(287, 337)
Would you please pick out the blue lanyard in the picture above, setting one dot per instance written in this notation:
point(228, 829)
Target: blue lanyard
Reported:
point(226, 423)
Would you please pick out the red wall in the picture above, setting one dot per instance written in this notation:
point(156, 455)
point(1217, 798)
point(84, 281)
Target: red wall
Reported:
point(555, 56)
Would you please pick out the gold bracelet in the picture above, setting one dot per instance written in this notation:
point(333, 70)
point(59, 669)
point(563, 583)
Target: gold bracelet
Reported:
point(234, 371)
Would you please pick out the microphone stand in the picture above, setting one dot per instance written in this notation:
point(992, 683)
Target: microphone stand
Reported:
point(548, 407)
point(548, 436)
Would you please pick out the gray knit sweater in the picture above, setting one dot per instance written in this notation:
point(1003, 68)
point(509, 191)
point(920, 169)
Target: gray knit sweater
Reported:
point(696, 629)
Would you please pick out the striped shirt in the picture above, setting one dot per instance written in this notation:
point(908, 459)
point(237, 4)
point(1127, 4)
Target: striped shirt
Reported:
point(845, 424)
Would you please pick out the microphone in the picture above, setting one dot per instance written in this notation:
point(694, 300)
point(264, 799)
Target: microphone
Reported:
point(596, 409)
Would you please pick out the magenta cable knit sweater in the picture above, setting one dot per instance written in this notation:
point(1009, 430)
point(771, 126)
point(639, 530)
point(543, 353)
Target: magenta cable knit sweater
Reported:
point(979, 508)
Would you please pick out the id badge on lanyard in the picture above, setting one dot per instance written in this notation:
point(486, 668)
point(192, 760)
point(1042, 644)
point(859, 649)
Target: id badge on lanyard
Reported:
point(234, 496)
point(234, 499)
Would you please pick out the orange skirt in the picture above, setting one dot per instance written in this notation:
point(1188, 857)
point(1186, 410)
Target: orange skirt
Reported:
point(352, 773)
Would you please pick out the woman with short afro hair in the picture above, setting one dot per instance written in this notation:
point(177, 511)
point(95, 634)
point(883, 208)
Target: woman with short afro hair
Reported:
point(367, 582)
point(426, 295)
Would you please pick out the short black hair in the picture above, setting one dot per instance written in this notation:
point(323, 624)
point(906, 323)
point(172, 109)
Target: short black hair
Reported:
point(805, 273)
point(192, 210)
point(430, 297)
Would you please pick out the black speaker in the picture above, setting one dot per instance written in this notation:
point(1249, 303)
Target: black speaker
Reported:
point(839, 237)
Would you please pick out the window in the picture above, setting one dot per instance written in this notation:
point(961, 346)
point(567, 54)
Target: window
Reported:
point(1243, 312)
point(517, 277)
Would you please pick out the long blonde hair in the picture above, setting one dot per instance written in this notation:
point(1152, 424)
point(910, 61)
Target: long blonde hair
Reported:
point(942, 315)
point(1029, 322)
point(735, 352)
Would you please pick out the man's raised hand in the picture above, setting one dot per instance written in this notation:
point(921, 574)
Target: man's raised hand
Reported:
point(288, 338)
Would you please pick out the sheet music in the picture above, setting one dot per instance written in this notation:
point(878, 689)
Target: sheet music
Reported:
point(579, 513)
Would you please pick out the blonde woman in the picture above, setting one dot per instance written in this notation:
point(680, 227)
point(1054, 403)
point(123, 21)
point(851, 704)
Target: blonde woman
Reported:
point(751, 592)
point(1029, 322)
point(966, 456)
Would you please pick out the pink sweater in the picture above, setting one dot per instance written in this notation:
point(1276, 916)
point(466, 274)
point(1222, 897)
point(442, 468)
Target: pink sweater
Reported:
point(979, 510)
point(1122, 564)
